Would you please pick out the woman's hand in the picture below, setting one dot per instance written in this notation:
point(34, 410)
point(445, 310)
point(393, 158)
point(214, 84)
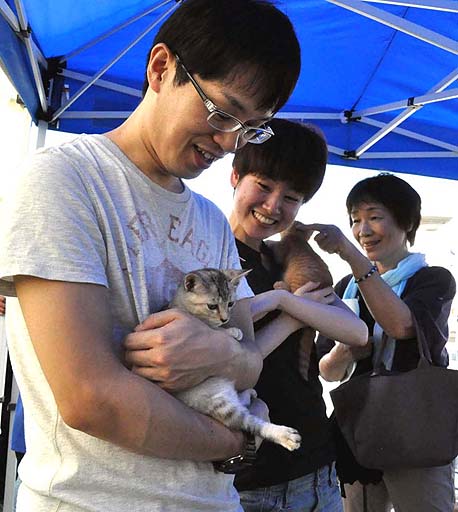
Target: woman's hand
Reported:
point(331, 239)
point(311, 291)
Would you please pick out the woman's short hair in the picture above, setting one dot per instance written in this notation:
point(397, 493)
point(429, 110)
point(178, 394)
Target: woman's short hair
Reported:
point(395, 194)
point(296, 154)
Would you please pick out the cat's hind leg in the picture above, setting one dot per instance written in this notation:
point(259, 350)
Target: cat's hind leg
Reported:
point(222, 403)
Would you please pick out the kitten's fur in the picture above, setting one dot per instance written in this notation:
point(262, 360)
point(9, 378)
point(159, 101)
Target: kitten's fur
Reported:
point(301, 264)
point(209, 295)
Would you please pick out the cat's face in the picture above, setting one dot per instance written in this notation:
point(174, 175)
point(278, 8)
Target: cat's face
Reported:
point(209, 294)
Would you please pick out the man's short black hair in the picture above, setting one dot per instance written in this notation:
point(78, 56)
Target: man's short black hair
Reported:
point(296, 154)
point(395, 194)
point(224, 39)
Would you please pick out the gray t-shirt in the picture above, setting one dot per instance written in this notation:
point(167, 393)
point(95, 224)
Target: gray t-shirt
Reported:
point(84, 212)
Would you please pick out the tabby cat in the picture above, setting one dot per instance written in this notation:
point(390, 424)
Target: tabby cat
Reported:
point(300, 264)
point(209, 294)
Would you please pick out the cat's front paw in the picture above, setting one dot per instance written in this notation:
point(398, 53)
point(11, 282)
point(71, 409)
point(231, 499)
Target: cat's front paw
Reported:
point(235, 333)
point(247, 396)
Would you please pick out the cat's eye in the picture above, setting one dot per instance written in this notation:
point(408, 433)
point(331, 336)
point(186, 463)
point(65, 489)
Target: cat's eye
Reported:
point(212, 306)
point(230, 304)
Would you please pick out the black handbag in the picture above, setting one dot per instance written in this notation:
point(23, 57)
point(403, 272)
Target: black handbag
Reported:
point(400, 420)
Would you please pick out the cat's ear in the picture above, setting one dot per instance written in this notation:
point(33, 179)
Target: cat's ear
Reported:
point(234, 275)
point(190, 281)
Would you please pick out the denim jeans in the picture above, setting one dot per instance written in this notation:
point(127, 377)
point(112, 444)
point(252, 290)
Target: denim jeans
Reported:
point(315, 492)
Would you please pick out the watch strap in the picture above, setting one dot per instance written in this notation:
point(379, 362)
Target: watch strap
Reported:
point(246, 458)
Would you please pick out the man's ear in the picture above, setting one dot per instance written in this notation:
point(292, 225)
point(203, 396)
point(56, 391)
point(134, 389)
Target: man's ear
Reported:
point(234, 177)
point(161, 61)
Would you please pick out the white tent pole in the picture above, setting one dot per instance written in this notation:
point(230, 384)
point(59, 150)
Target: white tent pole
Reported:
point(409, 154)
point(41, 134)
point(24, 26)
point(398, 23)
point(384, 131)
point(88, 84)
point(387, 128)
point(97, 114)
point(9, 16)
point(112, 31)
point(435, 5)
point(411, 134)
point(131, 91)
point(418, 101)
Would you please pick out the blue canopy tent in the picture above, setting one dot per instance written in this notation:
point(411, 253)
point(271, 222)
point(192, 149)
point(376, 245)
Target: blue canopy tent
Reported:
point(378, 79)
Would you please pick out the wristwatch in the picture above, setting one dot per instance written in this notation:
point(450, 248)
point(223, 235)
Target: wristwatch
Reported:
point(244, 459)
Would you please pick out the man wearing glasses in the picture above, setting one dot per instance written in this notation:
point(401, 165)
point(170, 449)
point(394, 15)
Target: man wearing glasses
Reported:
point(102, 230)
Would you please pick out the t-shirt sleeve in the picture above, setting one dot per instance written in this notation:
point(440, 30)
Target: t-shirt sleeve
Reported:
point(429, 296)
point(50, 228)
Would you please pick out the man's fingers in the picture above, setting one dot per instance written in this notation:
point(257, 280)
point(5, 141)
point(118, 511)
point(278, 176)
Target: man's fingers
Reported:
point(281, 285)
point(159, 319)
point(315, 227)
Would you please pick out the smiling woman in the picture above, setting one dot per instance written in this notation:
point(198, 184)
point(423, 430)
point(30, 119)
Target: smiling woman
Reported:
point(389, 286)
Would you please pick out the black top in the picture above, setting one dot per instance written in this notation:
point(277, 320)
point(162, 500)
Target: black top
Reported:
point(428, 294)
point(292, 401)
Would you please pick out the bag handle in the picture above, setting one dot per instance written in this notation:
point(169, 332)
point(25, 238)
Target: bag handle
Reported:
point(422, 344)
point(423, 349)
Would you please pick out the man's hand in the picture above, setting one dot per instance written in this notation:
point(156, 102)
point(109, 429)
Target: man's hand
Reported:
point(177, 350)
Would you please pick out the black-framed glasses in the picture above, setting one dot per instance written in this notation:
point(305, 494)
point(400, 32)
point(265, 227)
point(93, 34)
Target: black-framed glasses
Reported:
point(224, 122)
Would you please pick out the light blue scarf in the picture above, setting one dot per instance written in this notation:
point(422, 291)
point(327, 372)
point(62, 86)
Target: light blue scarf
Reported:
point(397, 280)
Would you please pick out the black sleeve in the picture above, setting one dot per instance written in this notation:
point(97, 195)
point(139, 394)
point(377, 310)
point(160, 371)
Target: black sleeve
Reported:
point(428, 294)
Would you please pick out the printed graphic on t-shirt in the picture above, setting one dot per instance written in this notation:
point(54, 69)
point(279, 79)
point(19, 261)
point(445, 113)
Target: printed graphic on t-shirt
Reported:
point(165, 252)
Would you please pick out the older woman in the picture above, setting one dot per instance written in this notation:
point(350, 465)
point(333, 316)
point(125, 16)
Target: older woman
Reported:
point(389, 285)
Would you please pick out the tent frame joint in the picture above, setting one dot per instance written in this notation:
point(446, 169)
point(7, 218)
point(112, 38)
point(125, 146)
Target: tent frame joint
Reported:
point(350, 155)
point(348, 116)
point(25, 33)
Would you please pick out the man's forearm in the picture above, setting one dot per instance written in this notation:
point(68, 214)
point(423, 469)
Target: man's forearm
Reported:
point(139, 416)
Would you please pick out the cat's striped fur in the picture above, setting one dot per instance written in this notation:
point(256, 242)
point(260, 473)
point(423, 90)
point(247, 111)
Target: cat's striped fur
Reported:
point(209, 295)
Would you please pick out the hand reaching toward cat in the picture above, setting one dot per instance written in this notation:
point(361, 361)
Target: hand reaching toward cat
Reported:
point(331, 239)
point(178, 351)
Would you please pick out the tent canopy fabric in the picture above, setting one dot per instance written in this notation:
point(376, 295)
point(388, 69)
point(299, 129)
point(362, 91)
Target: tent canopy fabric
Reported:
point(380, 77)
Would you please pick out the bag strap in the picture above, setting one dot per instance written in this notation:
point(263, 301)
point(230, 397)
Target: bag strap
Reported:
point(423, 349)
point(378, 363)
point(422, 344)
